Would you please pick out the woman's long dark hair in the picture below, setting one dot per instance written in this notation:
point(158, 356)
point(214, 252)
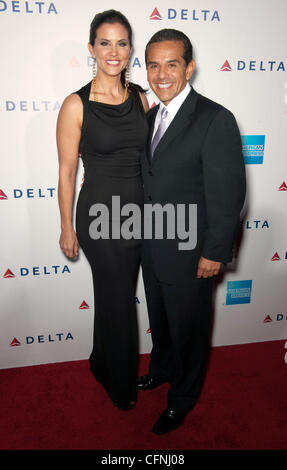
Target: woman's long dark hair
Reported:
point(113, 16)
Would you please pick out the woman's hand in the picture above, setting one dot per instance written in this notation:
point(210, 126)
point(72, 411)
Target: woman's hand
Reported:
point(69, 243)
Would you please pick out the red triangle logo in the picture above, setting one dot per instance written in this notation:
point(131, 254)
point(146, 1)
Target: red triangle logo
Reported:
point(153, 105)
point(84, 305)
point(267, 319)
point(8, 274)
point(275, 257)
point(155, 15)
point(2, 195)
point(226, 67)
point(283, 187)
point(15, 342)
point(74, 62)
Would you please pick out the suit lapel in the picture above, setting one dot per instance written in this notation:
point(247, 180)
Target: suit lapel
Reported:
point(179, 123)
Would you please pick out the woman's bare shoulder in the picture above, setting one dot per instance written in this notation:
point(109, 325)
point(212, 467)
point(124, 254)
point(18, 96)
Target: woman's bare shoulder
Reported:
point(72, 101)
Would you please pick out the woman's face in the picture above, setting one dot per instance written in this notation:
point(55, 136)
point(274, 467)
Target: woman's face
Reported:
point(111, 48)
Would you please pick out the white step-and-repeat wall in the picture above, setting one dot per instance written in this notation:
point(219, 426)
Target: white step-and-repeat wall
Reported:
point(240, 50)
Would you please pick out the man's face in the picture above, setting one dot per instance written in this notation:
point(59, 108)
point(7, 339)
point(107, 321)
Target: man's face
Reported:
point(167, 72)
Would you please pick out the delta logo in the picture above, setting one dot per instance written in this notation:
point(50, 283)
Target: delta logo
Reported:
point(277, 317)
point(28, 7)
point(276, 257)
point(36, 271)
point(155, 15)
point(254, 66)
point(226, 67)
point(15, 342)
point(8, 274)
point(84, 306)
point(3, 196)
point(49, 338)
point(24, 106)
point(74, 62)
point(282, 187)
point(28, 193)
point(256, 224)
point(253, 147)
point(185, 14)
point(90, 60)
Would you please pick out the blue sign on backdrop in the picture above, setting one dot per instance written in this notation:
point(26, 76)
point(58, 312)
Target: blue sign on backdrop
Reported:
point(238, 292)
point(253, 148)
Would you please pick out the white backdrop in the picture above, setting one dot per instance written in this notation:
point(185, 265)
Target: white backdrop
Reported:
point(240, 51)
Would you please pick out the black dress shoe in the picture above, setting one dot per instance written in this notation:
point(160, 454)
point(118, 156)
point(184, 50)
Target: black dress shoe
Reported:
point(168, 421)
point(146, 382)
point(124, 406)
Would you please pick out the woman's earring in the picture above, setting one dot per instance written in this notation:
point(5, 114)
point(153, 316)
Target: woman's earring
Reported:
point(127, 75)
point(94, 69)
point(94, 80)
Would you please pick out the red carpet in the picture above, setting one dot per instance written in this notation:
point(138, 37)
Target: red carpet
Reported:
point(243, 406)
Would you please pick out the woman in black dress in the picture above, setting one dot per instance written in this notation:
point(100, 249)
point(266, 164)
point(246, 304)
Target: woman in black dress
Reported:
point(105, 122)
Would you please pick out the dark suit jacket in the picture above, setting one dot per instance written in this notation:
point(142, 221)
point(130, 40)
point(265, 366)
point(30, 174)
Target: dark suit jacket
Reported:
point(198, 161)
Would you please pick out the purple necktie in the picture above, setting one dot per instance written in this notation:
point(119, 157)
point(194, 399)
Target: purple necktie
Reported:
point(160, 130)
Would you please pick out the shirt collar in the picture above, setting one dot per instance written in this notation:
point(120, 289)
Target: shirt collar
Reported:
point(176, 103)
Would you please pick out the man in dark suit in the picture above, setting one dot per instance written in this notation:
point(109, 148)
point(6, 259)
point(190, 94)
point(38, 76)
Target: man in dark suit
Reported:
point(193, 157)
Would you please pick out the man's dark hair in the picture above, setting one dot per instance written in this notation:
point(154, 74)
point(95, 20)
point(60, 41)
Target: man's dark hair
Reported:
point(172, 35)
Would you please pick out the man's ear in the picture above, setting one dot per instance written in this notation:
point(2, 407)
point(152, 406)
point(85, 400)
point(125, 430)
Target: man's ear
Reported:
point(190, 69)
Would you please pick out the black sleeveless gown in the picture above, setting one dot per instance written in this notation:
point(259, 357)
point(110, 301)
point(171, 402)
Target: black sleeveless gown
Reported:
point(111, 141)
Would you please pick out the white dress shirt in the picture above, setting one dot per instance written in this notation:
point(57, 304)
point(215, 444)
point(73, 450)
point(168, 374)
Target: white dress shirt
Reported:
point(172, 107)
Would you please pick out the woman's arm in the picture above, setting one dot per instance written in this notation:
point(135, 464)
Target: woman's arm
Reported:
point(68, 138)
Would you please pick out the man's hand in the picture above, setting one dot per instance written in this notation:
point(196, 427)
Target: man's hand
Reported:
point(207, 268)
